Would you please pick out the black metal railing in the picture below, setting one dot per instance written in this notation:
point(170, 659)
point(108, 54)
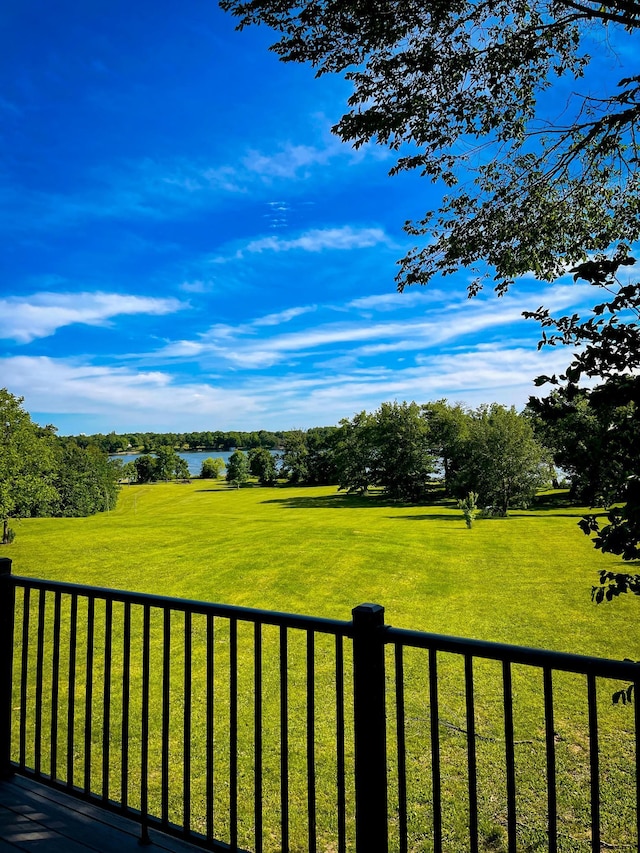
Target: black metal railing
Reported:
point(242, 729)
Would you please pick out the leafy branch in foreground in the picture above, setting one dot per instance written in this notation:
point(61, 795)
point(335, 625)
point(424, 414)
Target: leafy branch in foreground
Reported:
point(609, 344)
point(458, 90)
point(613, 584)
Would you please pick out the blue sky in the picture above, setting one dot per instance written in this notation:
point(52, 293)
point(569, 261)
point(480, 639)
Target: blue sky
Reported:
point(186, 246)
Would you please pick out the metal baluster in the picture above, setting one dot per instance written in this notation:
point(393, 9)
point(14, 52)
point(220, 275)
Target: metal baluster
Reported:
point(71, 703)
point(7, 627)
point(257, 658)
point(550, 738)
point(24, 674)
point(210, 730)
point(435, 751)
point(471, 753)
point(233, 732)
point(636, 704)
point(402, 751)
point(144, 735)
point(594, 761)
point(55, 685)
point(166, 696)
point(510, 756)
point(39, 682)
point(311, 723)
point(284, 741)
point(126, 695)
point(186, 794)
point(342, 799)
point(88, 705)
point(106, 706)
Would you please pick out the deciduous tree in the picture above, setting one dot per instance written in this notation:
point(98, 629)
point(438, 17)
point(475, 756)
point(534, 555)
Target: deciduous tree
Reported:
point(504, 463)
point(27, 464)
point(212, 468)
point(262, 465)
point(404, 458)
point(356, 453)
point(294, 457)
point(86, 481)
point(238, 468)
point(145, 468)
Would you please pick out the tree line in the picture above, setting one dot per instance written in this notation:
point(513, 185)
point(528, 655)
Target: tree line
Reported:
point(150, 442)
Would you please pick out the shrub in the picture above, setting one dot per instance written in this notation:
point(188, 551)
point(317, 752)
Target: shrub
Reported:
point(469, 507)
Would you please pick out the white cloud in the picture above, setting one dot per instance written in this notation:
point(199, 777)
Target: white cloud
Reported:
point(283, 316)
point(40, 315)
point(131, 399)
point(444, 321)
point(321, 239)
point(394, 300)
point(288, 162)
point(255, 375)
point(127, 399)
point(196, 286)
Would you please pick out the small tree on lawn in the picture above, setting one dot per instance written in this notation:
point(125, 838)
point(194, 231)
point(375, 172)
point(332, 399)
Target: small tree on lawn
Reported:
point(237, 469)
point(469, 507)
point(167, 462)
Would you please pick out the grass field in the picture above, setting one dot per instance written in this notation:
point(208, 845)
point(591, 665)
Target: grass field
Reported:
point(525, 579)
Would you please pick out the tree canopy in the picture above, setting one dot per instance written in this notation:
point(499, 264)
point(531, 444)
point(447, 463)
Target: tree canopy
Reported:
point(458, 89)
point(502, 461)
point(41, 474)
point(238, 468)
point(263, 466)
point(27, 464)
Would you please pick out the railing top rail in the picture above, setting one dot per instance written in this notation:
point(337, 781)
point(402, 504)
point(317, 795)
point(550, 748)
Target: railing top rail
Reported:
point(229, 611)
point(565, 661)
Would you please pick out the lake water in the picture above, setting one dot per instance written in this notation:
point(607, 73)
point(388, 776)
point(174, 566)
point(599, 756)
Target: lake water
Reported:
point(194, 458)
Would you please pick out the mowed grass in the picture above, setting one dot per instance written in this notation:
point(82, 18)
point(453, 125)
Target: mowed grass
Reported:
point(525, 579)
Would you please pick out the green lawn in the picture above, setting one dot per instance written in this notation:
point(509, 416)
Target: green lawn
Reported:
point(525, 579)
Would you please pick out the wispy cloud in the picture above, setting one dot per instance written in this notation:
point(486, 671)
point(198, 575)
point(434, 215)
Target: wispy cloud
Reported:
point(443, 322)
point(321, 239)
point(393, 300)
point(291, 161)
point(128, 399)
point(23, 319)
point(283, 316)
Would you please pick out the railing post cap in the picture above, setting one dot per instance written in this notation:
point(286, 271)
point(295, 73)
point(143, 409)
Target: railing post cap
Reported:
point(5, 566)
point(368, 614)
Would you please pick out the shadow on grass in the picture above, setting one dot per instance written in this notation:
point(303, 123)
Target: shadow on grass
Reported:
point(429, 516)
point(340, 500)
point(577, 514)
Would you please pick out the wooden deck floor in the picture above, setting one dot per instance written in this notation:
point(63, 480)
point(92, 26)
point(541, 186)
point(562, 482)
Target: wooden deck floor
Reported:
point(39, 819)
